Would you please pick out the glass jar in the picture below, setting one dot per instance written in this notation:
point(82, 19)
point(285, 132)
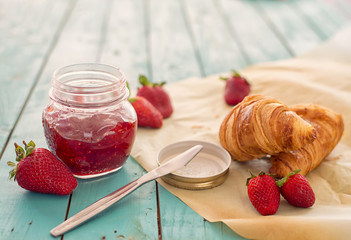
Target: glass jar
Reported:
point(89, 123)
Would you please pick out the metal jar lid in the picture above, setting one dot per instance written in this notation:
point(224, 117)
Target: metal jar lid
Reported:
point(207, 170)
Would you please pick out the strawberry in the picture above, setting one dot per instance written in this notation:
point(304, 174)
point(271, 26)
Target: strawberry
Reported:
point(38, 170)
point(156, 95)
point(147, 114)
point(236, 88)
point(296, 190)
point(263, 193)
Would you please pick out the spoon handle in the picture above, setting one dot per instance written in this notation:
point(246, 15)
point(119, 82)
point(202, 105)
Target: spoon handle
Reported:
point(96, 208)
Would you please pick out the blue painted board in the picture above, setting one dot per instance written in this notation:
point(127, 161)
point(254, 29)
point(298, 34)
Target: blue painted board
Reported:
point(178, 222)
point(24, 214)
point(124, 42)
point(254, 32)
point(217, 49)
point(290, 26)
point(133, 217)
point(23, 52)
point(172, 53)
point(323, 19)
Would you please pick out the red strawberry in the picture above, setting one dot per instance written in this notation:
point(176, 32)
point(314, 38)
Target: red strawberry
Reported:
point(38, 170)
point(296, 190)
point(147, 114)
point(156, 95)
point(236, 89)
point(263, 193)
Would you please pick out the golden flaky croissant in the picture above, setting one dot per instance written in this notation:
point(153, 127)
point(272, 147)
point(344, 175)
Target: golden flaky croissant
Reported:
point(261, 126)
point(329, 126)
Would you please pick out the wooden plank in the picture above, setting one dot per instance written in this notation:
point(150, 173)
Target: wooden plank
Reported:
point(325, 21)
point(342, 6)
point(172, 52)
point(288, 24)
point(23, 52)
point(302, 25)
point(125, 44)
point(255, 34)
point(180, 222)
point(134, 217)
point(217, 48)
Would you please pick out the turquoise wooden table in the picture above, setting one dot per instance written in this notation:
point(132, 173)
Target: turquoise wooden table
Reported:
point(167, 40)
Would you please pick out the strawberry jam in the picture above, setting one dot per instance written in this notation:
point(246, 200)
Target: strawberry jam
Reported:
point(89, 156)
point(89, 123)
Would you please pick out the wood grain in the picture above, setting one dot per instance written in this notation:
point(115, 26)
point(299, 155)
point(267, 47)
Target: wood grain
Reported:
point(172, 53)
point(24, 52)
point(125, 44)
point(217, 49)
point(180, 222)
point(254, 31)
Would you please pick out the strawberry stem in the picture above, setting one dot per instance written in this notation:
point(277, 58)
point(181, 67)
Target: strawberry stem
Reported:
point(131, 100)
point(281, 182)
point(143, 80)
point(29, 147)
point(20, 154)
point(235, 73)
point(249, 178)
point(253, 176)
point(13, 171)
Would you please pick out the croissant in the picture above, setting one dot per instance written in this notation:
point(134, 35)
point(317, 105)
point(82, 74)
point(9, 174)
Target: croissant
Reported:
point(329, 128)
point(261, 126)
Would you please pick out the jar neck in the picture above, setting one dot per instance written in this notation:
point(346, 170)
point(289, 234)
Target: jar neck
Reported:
point(88, 85)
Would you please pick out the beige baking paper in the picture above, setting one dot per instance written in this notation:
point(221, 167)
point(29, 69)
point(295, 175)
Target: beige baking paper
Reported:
point(322, 76)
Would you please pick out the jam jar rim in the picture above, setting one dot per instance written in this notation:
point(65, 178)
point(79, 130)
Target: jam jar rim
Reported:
point(115, 87)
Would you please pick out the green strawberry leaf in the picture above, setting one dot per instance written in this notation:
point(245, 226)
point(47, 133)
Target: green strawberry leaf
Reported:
point(223, 78)
point(144, 81)
point(20, 153)
point(249, 178)
point(131, 100)
point(281, 182)
point(11, 164)
point(29, 147)
point(253, 176)
point(160, 84)
point(235, 73)
point(12, 173)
